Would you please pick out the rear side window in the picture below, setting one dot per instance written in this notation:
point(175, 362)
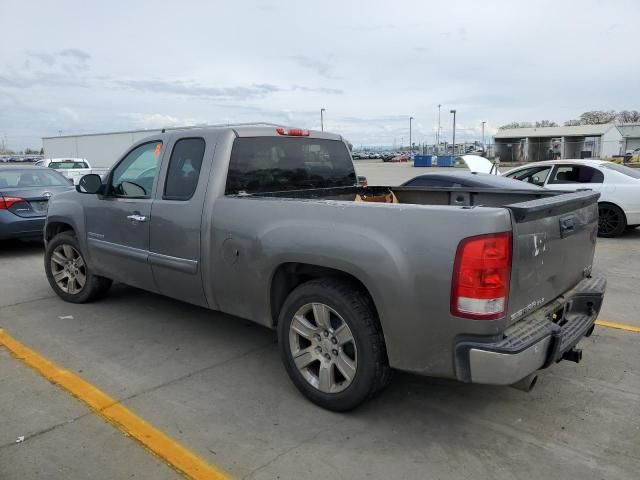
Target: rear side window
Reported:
point(184, 169)
point(576, 174)
point(273, 164)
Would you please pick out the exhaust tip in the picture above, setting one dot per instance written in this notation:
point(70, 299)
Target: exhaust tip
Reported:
point(527, 383)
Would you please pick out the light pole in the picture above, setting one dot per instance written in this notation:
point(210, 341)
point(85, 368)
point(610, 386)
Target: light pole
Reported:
point(410, 144)
point(322, 110)
point(454, 132)
point(438, 135)
point(483, 133)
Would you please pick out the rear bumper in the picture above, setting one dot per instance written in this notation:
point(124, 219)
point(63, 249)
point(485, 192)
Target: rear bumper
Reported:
point(13, 226)
point(534, 342)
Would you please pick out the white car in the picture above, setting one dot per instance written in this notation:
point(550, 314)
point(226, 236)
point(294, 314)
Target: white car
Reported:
point(72, 168)
point(619, 187)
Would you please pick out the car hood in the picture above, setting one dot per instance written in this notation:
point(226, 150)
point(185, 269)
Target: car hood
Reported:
point(476, 163)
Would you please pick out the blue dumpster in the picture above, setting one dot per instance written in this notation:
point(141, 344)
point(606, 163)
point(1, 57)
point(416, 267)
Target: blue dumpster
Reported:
point(422, 161)
point(445, 160)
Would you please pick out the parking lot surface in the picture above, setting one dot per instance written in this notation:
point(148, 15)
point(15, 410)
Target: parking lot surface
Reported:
point(215, 384)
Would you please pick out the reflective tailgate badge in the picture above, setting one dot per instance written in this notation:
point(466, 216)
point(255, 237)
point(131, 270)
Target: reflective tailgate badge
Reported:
point(528, 308)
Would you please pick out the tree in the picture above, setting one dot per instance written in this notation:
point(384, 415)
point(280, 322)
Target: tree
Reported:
point(628, 116)
point(597, 117)
point(546, 123)
point(42, 151)
point(516, 125)
point(572, 123)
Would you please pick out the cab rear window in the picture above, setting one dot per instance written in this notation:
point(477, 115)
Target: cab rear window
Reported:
point(272, 164)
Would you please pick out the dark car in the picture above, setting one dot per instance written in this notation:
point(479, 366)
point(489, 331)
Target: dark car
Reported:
point(468, 180)
point(24, 195)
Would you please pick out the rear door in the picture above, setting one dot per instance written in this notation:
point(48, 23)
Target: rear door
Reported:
point(117, 224)
point(554, 243)
point(176, 216)
point(567, 177)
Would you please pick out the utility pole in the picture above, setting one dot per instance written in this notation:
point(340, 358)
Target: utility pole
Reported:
point(322, 110)
point(438, 134)
point(410, 144)
point(453, 151)
point(483, 133)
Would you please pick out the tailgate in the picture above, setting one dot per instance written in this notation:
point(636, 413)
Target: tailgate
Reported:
point(554, 241)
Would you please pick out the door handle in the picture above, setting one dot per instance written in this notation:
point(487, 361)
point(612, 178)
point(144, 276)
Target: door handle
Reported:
point(137, 218)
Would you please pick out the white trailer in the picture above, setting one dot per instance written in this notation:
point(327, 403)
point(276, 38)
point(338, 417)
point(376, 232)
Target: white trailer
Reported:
point(102, 150)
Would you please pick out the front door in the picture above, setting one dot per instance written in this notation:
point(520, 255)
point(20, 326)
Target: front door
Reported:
point(117, 223)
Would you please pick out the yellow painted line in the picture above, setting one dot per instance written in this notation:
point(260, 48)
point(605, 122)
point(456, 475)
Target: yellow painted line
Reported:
point(166, 448)
point(619, 326)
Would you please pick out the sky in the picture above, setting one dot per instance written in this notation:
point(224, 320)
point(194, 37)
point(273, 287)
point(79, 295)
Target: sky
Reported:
point(71, 67)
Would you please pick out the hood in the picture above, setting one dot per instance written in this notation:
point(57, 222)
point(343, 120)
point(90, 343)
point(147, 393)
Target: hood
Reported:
point(476, 163)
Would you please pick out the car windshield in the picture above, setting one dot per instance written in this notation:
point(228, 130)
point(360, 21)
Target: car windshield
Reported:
point(67, 164)
point(25, 178)
point(629, 172)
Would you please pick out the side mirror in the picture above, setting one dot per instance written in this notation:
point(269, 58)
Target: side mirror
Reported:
point(90, 183)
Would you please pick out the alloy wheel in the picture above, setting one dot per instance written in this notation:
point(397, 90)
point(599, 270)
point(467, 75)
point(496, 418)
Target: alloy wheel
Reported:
point(323, 348)
point(68, 269)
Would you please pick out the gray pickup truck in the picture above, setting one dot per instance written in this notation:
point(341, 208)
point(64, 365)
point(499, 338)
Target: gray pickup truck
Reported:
point(269, 224)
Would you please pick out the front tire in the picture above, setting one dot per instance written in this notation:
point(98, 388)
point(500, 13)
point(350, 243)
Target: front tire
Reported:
point(612, 221)
point(331, 344)
point(68, 273)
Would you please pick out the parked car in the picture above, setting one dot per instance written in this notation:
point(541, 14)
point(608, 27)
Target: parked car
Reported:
point(467, 180)
point(267, 224)
point(618, 185)
point(24, 195)
point(73, 168)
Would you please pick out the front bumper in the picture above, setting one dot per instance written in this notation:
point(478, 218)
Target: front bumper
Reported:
point(534, 342)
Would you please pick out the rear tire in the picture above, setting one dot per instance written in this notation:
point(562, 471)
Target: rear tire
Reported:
point(331, 343)
point(612, 221)
point(68, 273)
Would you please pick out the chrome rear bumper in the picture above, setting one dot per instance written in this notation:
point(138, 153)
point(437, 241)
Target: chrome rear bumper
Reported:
point(534, 342)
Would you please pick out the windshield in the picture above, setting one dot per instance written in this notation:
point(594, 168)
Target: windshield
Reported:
point(67, 164)
point(629, 172)
point(31, 178)
point(272, 164)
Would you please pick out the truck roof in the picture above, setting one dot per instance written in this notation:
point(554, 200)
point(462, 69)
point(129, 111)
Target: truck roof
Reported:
point(252, 131)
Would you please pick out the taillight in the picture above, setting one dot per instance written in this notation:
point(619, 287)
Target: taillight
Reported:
point(292, 132)
point(7, 202)
point(480, 285)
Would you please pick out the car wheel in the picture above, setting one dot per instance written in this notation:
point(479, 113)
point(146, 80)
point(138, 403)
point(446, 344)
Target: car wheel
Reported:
point(69, 274)
point(331, 343)
point(611, 220)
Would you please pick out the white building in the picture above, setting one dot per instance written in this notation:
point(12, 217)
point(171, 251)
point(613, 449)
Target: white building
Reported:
point(580, 141)
point(102, 150)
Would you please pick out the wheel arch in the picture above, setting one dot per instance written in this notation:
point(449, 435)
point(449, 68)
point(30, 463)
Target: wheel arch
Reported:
point(287, 276)
point(54, 228)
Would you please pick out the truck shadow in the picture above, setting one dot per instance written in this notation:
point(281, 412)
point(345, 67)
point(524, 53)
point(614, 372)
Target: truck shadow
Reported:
point(13, 248)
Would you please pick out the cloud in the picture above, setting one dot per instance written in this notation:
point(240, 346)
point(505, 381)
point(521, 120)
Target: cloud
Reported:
point(329, 91)
point(320, 67)
point(192, 89)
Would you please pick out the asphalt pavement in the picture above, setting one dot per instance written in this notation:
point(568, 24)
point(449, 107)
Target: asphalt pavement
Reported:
point(215, 384)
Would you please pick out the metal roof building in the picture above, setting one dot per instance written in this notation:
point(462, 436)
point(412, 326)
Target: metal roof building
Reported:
point(102, 150)
point(548, 143)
